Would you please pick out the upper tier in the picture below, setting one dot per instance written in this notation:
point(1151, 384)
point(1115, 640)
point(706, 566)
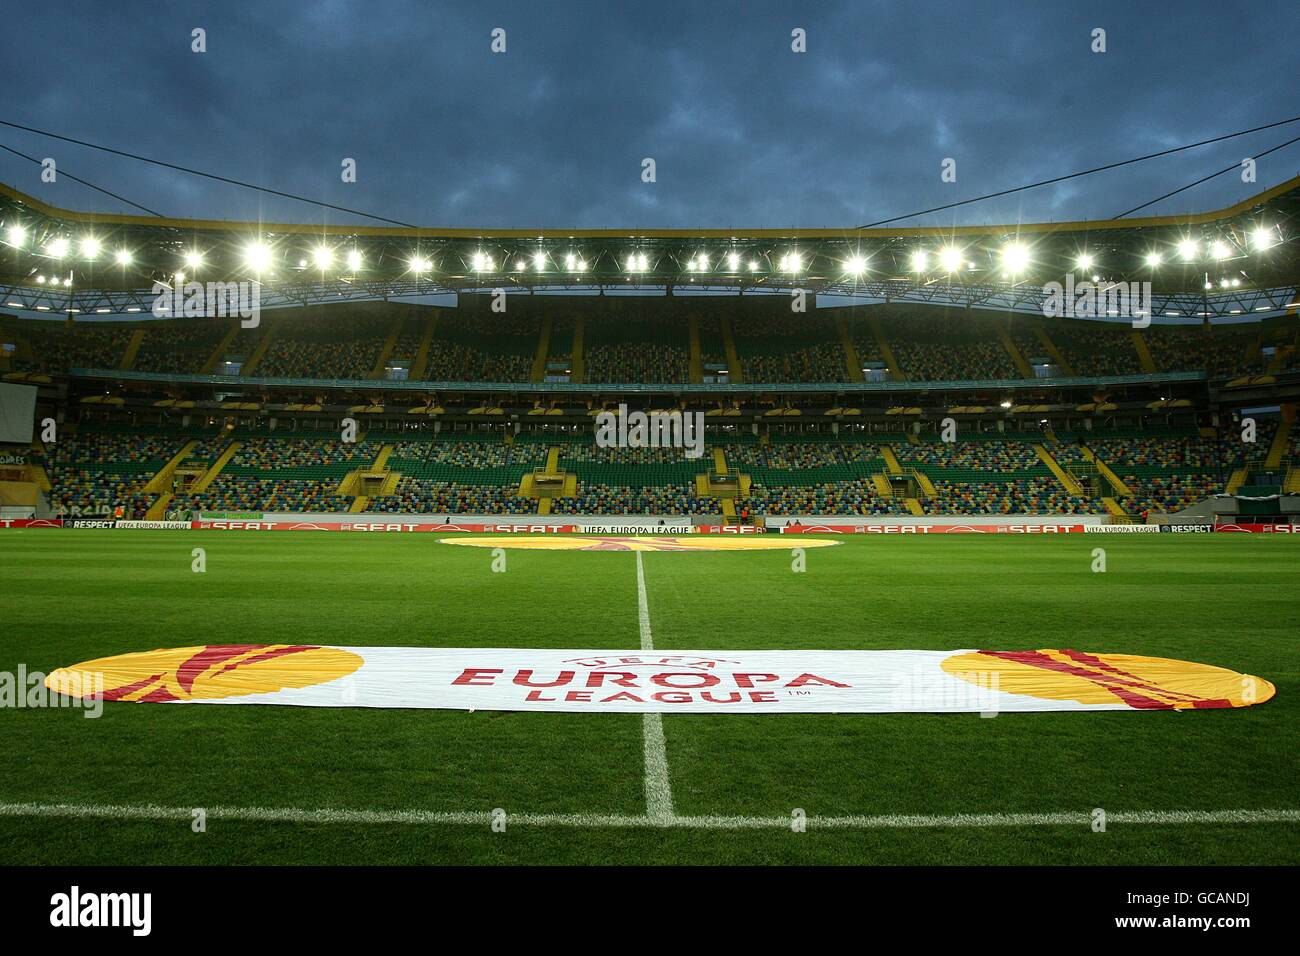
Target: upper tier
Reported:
point(604, 341)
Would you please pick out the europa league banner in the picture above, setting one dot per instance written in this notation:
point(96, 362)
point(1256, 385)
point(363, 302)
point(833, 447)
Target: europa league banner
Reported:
point(461, 678)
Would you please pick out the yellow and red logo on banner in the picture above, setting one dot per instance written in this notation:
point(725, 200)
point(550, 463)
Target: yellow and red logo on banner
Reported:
point(789, 681)
point(209, 672)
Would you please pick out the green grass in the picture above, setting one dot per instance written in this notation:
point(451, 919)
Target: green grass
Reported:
point(1226, 600)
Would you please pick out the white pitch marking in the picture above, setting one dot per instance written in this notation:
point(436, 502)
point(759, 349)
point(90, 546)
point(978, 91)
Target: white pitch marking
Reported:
point(1082, 819)
point(658, 788)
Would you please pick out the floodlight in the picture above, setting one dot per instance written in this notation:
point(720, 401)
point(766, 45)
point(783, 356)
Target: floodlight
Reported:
point(1015, 257)
point(257, 256)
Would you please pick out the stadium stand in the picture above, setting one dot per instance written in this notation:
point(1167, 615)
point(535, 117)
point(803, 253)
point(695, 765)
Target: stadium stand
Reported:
point(58, 347)
point(337, 347)
point(632, 350)
point(788, 348)
point(1147, 452)
point(179, 346)
point(95, 471)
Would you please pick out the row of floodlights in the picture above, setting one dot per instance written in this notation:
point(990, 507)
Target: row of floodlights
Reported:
point(1014, 257)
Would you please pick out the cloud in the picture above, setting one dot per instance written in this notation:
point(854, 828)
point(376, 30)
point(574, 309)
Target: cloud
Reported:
point(552, 133)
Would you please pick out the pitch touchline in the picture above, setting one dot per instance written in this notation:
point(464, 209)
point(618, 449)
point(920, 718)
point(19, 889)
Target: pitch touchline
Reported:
point(629, 821)
point(658, 789)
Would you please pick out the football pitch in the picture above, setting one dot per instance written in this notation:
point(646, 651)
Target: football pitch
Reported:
point(362, 786)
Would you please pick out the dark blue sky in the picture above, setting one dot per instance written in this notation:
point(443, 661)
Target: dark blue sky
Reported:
point(743, 131)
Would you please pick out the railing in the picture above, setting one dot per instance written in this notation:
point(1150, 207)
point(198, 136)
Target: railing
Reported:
point(822, 388)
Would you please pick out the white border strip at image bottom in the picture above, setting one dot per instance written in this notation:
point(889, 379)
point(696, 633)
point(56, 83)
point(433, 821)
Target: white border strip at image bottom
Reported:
point(630, 821)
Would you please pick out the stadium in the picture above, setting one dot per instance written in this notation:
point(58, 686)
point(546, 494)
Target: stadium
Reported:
point(886, 544)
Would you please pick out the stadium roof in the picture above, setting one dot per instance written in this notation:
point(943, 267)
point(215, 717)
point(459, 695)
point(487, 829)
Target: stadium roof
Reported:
point(1241, 259)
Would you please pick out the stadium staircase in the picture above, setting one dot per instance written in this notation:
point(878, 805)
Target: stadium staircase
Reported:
point(881, 483)
point(421, 363)
point(132, 350)
point(734, 372)
point(578, 360)
point(1143, 352)
point(259, 350)
point(696, 362)
point(913, 506)
point(538, 371)
point(891, 460)
point(1067, 480)
point(1237, 479)
point(353, 484)
point(1057, 355)
point(1117, 484)
point(223, 347)
point(161, 484)
point(386, 351)
point(852, 361)
point(545, 497)
point(205, 480)
point(924, 483)
point(886, 353)
point(1281, 439)
point(1112, 506)
point(1007, 343)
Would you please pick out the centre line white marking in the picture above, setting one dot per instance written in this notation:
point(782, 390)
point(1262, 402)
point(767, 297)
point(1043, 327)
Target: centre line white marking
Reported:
point(1076, 818)
point(658, 789)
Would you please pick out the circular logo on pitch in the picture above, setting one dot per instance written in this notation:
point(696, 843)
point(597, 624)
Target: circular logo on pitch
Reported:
point(1142, 683)
point(208, 672)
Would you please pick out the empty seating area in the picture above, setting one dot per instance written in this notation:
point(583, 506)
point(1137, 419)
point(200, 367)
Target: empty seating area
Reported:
point(180, 346)
point(460, 361)
point(56, 347)
point(316, 347)
point(853, 496)
point(943, 347)
point(945, 362)
point(1011, 496)
point(484, 347)
point(636, 350)
point(1095, 349)
point(1220, 352)
point(417, 495)
point(1165, 471)
point(632, 341)
point(1000, 456)
point(598, 498)
point(96, 468)
point(93, 472)
point(265, 492)
point(788, 348)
